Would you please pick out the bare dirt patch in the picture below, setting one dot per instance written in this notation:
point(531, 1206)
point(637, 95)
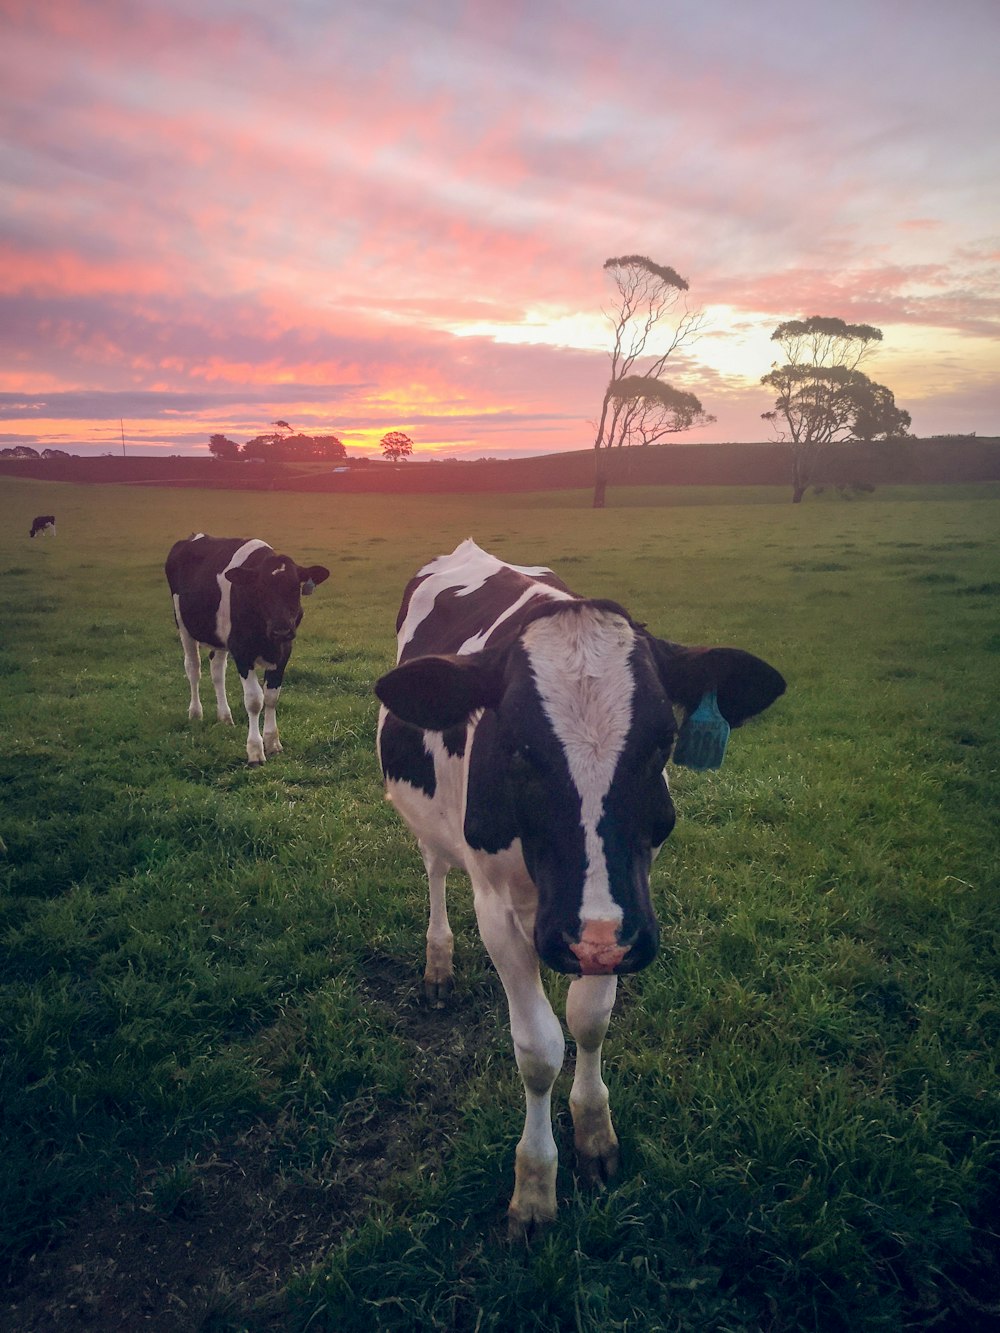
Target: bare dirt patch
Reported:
point(211, 1244)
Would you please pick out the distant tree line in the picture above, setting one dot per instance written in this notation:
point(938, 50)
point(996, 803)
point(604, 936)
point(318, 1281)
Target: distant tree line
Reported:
point(26, 451)
point(282, 444)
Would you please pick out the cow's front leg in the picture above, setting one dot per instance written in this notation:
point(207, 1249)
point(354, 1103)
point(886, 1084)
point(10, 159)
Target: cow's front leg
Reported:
point(539, 1047)
point(588, 1012)
point(439, 973)
point(272, 688)
point(218, 658)
point(253, 698)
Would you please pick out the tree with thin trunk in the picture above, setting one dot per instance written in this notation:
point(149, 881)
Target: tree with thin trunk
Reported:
point(396, 446)
point(647, 329)
point(822, 396)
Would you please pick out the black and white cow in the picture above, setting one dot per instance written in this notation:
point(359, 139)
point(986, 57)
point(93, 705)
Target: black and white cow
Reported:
point(43, 523)
point(237, 596)
point(523, 738)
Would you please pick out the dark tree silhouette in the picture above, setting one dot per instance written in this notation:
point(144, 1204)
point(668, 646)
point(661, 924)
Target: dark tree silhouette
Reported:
point(644, 410)
point(876, 416)
point(646, 331)
point(822, 396)
point(283, 445)
point(396, 446)
point(219, 446)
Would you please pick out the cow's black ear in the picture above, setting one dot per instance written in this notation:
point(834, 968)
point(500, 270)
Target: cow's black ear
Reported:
point(311, 577)
point(438, 692)
point(743, 684)
point(489, 820)
point(240, 575)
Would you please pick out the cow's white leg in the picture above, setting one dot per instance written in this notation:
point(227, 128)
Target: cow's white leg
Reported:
point(588, 1012)
point(253, 698)
point(272, 745)
point(192, 669)
point(539, 1047)
point(218, 659)
point(439, 974)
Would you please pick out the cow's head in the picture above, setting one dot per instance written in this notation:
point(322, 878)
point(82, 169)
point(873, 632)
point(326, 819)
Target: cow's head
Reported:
point(569, 755)
point(274, 588)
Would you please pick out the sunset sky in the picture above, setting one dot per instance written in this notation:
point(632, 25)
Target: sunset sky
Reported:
point(394, 214)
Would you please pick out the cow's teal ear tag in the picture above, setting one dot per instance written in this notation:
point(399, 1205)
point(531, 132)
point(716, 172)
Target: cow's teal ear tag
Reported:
point(701, 741)
point(307, 587)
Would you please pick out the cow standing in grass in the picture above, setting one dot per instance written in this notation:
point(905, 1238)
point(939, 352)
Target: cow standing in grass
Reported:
point(43, 523)
point(523, 738)
point(238, 597)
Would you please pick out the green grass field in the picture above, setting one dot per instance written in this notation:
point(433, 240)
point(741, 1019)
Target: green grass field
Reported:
point(223, 1103)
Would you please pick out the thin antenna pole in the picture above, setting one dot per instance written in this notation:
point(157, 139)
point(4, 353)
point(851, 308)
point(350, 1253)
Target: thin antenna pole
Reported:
point(122, 424)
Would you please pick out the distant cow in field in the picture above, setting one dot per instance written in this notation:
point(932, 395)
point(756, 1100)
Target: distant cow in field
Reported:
point(523, 738)
point(43, 523)
point(237, 596)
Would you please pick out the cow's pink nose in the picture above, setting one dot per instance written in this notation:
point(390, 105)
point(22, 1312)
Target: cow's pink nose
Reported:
point(598, 949)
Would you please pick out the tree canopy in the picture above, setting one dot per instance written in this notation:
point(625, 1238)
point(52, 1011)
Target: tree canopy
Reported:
point(876, 416)
point(644, 410)
point(663, 272)
point(219, 446)
point(825, 340)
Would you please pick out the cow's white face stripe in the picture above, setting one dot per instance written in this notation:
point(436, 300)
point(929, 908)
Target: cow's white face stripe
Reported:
point(223, 616)
point(581, 666)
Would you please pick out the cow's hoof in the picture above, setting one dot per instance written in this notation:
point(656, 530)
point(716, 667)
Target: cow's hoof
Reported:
point(524, 1230)
point(597, 1170)
point(597, 1153)
point(438, 990)
point(255, 763)
point(533, 1205)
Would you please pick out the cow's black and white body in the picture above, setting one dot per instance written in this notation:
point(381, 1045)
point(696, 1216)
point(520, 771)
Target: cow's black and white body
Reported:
point(523, 738)
point(43, 523)
point(236, 596)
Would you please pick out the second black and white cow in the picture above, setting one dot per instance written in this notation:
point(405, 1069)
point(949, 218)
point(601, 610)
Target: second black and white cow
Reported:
point(238, 597)
point(43, 523)
point(523, 738)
